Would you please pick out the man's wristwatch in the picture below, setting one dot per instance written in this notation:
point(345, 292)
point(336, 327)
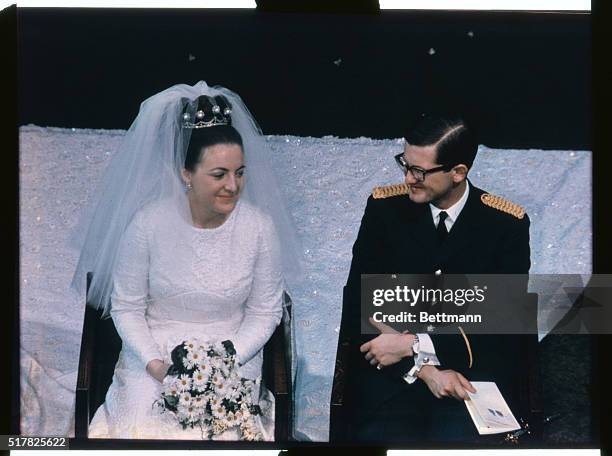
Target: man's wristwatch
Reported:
point(415, 344)
point(419, 362)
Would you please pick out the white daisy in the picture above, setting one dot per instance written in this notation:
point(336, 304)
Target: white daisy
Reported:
point(199, 415)
point(181, 415)
point(245, 410)
point(199, 401)
point(230, 395)
point(168, 379)
point(219, 384)
point(218, 427)
point(185, 399)
point(250, 431)
point(215, 377)
point(205, 367)
point(200, 380)
point(219, 411)
point(248, 434)
point(187, 363)
point(188, 412)
point(190, 344)
point(194, 357)
point(171, 387)
point(231, 419)
point(216, 363)
point(183, 383)
point(214, 401)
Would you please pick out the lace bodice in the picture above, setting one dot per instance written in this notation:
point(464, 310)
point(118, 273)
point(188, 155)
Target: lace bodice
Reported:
point(174, 281)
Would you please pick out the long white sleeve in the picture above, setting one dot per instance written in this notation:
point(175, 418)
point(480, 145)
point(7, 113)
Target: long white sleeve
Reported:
point(130, 293)
point(264, 305)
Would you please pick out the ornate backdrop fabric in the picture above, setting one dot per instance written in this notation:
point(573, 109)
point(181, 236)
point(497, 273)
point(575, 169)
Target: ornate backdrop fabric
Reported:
point(326, 181)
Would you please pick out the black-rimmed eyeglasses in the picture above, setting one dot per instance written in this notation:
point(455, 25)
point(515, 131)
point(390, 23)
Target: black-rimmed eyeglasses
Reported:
point(417, 172)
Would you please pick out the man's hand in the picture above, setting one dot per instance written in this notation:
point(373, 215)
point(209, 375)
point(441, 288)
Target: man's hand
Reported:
point(158, 369)
point(388, 348)
point(445, 383)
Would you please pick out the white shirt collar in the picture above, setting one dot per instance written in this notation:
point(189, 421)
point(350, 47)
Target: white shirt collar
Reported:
point(453, 211)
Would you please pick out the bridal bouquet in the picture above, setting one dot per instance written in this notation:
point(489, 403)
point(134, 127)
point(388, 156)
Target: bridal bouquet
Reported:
point(203, 389)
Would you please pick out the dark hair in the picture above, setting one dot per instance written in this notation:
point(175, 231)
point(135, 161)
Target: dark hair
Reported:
point(210, 136)
point(456, 140)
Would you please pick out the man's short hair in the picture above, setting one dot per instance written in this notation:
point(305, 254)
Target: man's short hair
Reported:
point(456, 141)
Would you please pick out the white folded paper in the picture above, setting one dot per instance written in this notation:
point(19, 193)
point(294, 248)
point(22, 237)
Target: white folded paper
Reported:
point(489, 411)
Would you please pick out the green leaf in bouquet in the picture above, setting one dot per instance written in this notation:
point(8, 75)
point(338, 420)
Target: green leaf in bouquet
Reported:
point(174, 371)
point(233, 406)
point(171, 402)
point(230, 406)
point(229, 347)
point(178, 354)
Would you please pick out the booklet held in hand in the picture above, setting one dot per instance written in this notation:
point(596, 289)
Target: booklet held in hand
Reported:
point(489, 411)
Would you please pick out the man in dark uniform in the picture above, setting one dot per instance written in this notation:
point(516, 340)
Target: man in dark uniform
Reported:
point(407, 387)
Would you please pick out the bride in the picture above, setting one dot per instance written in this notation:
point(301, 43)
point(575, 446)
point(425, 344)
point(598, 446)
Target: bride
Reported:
point(183, 246)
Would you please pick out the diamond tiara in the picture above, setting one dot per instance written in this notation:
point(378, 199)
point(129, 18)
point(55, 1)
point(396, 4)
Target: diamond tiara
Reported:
point(197, 120)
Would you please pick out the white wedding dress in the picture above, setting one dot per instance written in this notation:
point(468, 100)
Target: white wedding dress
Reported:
point(174, 281)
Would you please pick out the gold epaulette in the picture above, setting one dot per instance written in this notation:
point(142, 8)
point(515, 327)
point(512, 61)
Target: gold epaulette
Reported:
point(390, 190)
point(503, 205)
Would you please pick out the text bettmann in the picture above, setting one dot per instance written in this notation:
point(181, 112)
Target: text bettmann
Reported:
point(425, 317)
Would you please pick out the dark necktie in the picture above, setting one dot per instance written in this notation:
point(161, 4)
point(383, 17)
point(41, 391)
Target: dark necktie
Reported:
point(441, 229)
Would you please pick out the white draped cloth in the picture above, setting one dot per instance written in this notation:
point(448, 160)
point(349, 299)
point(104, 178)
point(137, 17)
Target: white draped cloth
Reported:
point(326, 199)
point(174, 282)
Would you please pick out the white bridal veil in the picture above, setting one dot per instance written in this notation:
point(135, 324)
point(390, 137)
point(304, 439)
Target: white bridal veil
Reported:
point(147, 168)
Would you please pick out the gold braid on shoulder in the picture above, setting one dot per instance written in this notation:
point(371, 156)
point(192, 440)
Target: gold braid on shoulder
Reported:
point(390, 190)
point(503, 205)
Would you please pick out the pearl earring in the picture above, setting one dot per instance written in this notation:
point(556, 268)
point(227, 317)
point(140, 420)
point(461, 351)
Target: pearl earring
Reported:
point(189, 186)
